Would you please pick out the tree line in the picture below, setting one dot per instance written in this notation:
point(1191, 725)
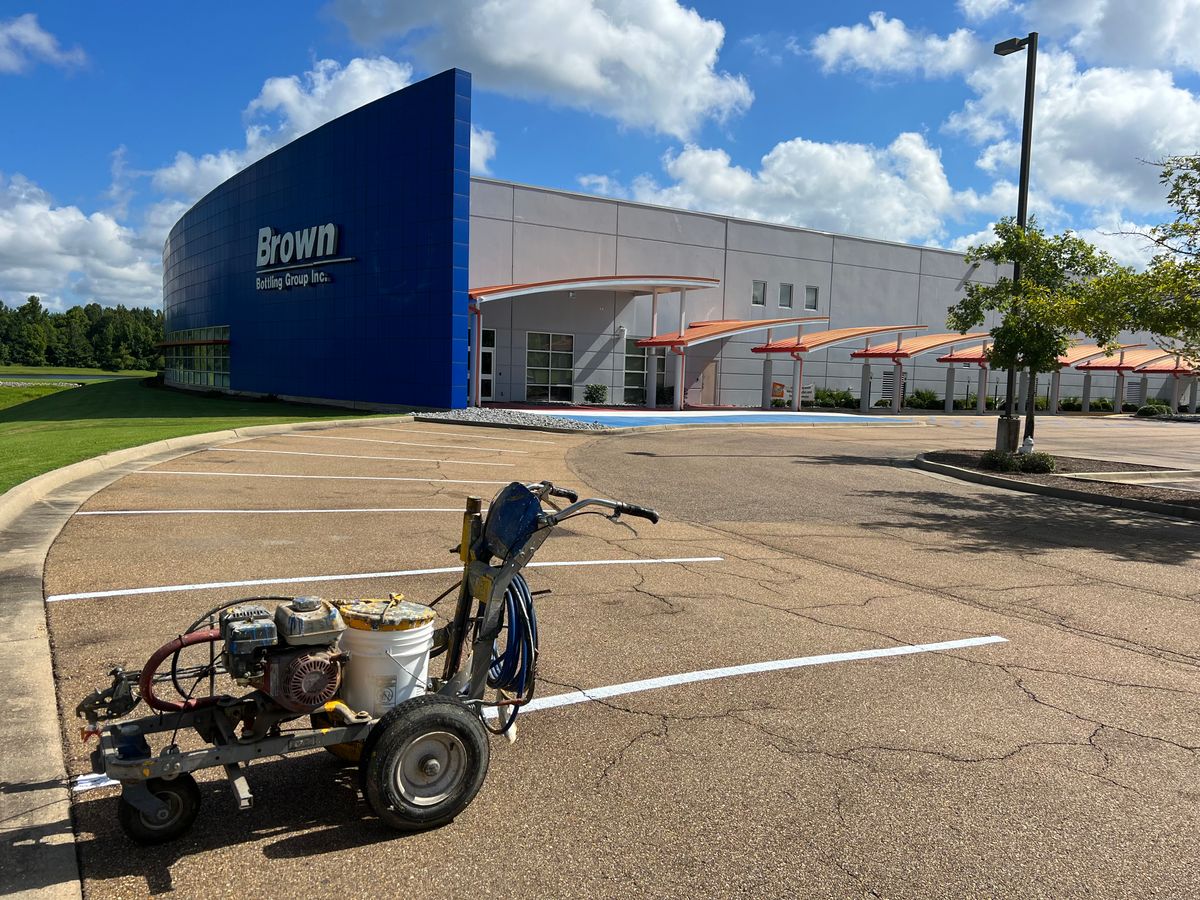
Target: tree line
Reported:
point(91, 336)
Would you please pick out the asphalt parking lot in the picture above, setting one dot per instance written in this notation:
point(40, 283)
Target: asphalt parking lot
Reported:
point(1060, 761)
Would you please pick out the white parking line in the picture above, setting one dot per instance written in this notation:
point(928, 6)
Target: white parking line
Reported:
point(425, 459)
point(324, 477)
point(91, 782)
point(455, 434)
point(324, 437)
point(361, 576)
point(262, 512)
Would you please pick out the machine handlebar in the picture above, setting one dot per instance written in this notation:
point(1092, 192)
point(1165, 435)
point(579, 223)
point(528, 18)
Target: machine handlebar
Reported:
point(642, 512)
point(565, 493)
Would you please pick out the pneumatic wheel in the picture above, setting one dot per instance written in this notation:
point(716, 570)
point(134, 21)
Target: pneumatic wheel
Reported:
point(182, 797)
point(427, 763)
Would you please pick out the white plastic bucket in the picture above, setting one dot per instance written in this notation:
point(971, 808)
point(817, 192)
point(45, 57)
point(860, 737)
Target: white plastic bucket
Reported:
point(389, 663)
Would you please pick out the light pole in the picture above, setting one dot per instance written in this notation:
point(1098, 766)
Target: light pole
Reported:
point(1008, 425)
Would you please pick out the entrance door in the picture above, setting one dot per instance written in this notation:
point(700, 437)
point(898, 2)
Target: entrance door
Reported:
point(486, 361)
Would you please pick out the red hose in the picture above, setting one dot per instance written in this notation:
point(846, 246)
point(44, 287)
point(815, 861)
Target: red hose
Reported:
point(146, 682)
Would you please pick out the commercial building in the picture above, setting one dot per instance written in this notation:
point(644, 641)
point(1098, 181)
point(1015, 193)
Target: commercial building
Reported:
point(362, 265)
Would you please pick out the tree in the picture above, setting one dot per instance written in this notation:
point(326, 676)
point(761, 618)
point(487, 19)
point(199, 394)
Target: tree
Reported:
point(1040, 313)
point(1165, 298)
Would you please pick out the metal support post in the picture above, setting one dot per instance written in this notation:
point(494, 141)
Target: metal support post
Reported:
point(1144, 390)
point(1087, 392)
point(1119, 392)
point(981, 391)
point(797, 381)
point(897, 386)
point(1176, 391)
point(1195, 393)
point(864, 396)
point(1055, 386)
point(949, 407)
point(767, 375)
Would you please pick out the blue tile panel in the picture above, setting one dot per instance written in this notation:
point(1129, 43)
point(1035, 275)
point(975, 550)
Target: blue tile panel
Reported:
point(389, 326)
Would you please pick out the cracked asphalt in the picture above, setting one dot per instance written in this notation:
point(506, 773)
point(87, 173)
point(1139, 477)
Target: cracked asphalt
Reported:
point(1061, 763)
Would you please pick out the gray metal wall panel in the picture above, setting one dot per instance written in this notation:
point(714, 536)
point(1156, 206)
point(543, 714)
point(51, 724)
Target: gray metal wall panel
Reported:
point(670, 225)
point(558, 210)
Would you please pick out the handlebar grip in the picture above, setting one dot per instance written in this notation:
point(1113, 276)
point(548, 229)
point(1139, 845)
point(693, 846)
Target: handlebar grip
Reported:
point(643, 512)
point(565, 493)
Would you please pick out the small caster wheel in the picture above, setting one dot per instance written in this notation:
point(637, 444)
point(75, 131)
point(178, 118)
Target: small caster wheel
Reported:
point(426, 764)
point(182, 797)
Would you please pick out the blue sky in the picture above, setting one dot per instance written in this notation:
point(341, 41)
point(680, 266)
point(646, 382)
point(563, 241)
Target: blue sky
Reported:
point(890, 119)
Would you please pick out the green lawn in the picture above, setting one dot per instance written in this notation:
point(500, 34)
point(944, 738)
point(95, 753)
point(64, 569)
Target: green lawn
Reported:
point(65, 370)
point(59, 428)
point(11, 396)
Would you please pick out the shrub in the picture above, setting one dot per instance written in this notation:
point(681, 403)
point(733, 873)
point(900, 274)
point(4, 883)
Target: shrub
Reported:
point(924, 398)
point(1129, 407)
point(1035, 463)
point(827, 398)
point(1040, 403)
point(595, 393)
point(1102, 404)
point(777, 403)
point(1070, 404)
point(883, 401)
point(1153, 409)
point(998, 460)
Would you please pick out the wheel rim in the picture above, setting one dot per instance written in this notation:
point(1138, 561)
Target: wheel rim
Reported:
point(430, 767)
point(174, 810)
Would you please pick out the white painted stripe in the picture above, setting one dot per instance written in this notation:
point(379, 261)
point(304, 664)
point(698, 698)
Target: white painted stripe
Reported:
point(324, 477)
point(325, 437)
point(362, 576)
point(262, 512)
point(650, 684)
point(455, 434)
point(425, 459)
point(91, 782)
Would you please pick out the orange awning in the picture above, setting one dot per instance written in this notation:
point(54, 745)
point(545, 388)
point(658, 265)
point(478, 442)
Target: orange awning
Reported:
point(1084, 352)
point(806, 343)
point(627, 284)
point(1170, 365)
point(915, 346)
point(976, 355)
point(1126, 361)
point(702, 332)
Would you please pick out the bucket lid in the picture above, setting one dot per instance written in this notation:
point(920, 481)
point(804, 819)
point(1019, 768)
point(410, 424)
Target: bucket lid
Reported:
point(395, 614)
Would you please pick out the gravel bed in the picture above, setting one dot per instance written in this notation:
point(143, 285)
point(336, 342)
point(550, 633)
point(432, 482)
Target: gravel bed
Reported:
point(1066, 465)
point(509, 417)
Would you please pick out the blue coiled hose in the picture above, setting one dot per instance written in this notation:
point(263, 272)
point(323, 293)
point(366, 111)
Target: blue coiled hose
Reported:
point(512, 669)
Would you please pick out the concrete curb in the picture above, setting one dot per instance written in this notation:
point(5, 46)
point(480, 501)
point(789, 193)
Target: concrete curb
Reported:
point(37, 837)
point(1060, 493)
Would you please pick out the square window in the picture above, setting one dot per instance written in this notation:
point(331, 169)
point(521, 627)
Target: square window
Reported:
point(758, 295)
point(811, 297)
point(538, 341)
point(562, 342)
point(785, 296)
point(537, 392)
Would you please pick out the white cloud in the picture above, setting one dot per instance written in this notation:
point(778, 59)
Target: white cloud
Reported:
point(1143, 33)
point(980, 10)
point(899, 192)
point(1091, 127)
point(284, 109)
point(887, 45)
point(483, 148)
point(66, 256)
point(602, 185)
point(646, 63)
point(23, 42)
point(1121, 239)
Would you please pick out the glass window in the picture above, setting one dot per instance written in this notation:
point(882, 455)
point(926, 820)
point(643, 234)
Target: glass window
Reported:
point(758, 295)
point(549, 366)
point(639, 362)
point(811, 298)
point(194, 360)
point(785, 296)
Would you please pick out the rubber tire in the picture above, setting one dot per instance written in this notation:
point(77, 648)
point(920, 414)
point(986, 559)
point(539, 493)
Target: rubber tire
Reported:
point(410, 719)
point(183, 790)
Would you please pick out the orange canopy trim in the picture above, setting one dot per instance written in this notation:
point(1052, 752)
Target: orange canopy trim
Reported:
point(1125, 361)
point(976, 355)
point(806, 343)
point(1085, 352)
point(630, 284)
point(702, 332)
point(1171, 365)
point(915, 346)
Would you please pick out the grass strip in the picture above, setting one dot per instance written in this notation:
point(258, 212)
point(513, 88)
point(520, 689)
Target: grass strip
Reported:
point(66, 426)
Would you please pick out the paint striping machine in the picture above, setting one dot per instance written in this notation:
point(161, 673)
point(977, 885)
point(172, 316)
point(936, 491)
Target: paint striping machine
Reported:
point(356, 670)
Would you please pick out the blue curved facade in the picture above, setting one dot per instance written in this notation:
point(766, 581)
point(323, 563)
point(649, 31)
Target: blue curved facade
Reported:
point(336, 267)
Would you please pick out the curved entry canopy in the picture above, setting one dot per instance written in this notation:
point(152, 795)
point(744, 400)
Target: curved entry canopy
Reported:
point(820, 340)
point(907, 349)
point(716, 329)
point(625, 284)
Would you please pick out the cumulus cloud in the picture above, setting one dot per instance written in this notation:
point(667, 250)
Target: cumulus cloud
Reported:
point(889, 46)
point(483, 148)
point(23, 43)
point(1091, 126)
point(284, 109)
point(979, 10)
point(1143, 33)
point(648, 64)
point(898, 192)
point(66, 256)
